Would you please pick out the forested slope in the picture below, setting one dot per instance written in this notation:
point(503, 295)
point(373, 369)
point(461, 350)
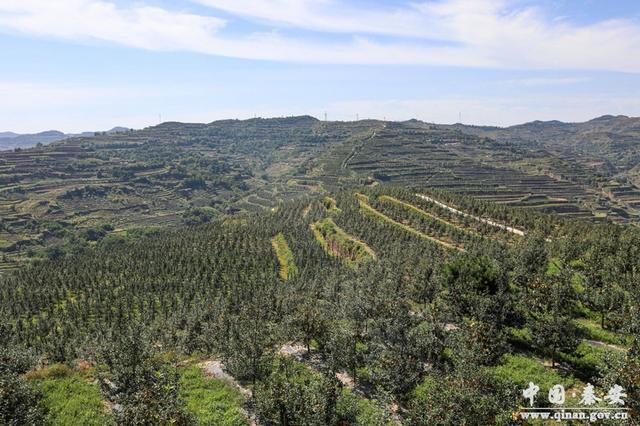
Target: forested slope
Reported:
point(62, 198)
point(400, 310)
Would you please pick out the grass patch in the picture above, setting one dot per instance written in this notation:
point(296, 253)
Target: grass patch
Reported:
point(338, 243)
point(288, 268)
point(522, 370)
point(586, 358)
point(592, 330)
point(72, 400)
point(211, 401)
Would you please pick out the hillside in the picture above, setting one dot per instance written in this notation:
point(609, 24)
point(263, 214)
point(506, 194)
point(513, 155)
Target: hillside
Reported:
point(11, 140)
point(606, 146)
point(394, 303)
point(63, 197)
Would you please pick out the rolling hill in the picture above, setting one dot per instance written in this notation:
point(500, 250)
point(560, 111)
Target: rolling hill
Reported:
point(63, 197)
point(11, 140)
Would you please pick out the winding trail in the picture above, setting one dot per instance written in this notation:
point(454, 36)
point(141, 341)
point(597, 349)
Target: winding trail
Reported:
point(315, 362)
point(215, 368)
point(600, 344)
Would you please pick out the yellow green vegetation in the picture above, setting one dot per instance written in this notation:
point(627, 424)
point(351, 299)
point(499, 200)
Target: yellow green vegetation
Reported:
point(366, 208)
point(331, 205)
point(338, 243)
point(522, 369)
point(288, 268)
point(71, 397)
point(235, 221)
point(211, 401)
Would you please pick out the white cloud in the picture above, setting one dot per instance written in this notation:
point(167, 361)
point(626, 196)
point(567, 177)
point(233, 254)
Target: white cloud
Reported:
point(329, 16)
point(469, 33)
point(139, 26)
point(492, 33)
point(548, 81)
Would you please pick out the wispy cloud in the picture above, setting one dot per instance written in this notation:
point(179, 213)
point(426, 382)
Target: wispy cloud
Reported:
point(137, 26)
point(497, 34)
point(548, 81)
point(331, 16)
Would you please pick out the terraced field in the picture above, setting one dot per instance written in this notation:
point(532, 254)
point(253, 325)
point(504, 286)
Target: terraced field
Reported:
point(415, 154)
point(428, 218)
point(165, 175)
point(340, 244)
point(62, 198)
point(288, 268)
point(368, 209)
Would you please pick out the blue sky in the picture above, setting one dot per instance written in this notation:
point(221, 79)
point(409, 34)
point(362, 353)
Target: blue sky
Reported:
point(79, 65)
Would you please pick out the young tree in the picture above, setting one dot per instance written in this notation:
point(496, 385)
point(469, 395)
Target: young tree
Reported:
point(550, 319)
point(293, 395)
point(603, 294)
point(142, 388)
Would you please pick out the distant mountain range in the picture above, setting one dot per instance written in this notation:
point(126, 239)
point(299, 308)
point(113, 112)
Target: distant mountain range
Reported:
point(11, 140)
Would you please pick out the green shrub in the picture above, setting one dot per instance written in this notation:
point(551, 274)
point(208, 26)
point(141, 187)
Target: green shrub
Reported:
point(356, 411)
point(54, 371)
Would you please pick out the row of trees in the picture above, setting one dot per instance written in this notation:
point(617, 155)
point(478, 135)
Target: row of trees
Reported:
point(420, 326)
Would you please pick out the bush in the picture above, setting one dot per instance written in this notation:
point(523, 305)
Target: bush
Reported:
point(54, 371)
point(472, 399)
point(143, 389)
point(20, 403)
point(357, 411)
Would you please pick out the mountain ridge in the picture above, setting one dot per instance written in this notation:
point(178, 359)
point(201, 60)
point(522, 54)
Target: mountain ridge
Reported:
point(12, 140)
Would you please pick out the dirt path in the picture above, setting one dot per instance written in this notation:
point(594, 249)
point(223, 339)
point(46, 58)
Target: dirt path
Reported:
point(316, 363)
point(605, 345)
point(487, 221)
point(214, 368)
